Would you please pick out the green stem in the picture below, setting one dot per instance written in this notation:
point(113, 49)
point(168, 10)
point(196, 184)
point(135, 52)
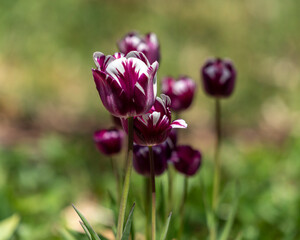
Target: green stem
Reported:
point(126, 185)
point(181, 211)
point(217, 173)
point(147, 207)
point(117, 177)
point(152, 176)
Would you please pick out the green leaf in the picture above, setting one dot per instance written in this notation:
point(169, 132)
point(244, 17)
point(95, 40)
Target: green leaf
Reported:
point(8, 226)
point(91, 231)
point(127, 228)
point(164, 235)
point(85, 230)
point(229, 223)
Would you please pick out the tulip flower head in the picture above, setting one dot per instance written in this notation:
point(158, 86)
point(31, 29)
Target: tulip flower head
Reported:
point(126, 84)
point(147, 44)
point(141, 159)
point(186, 160)
point(154, 127)
point(180, 91)
point(218, 76)
point(109, 142)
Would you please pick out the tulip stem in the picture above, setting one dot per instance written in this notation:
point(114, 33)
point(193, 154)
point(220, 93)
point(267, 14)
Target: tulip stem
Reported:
point(217, 171)
point(152, 176)
point(117, 177)
point(126, 183)
point(181, 211)
point(147, 207)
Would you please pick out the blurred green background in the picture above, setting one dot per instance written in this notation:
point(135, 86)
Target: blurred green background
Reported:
point(49, 108)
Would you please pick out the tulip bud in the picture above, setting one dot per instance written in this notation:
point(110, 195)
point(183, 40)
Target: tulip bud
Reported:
point(147, 44)
point(186, 160)
point(141, 160)
point(181, 92)
point(218, 77)
point(110, 141)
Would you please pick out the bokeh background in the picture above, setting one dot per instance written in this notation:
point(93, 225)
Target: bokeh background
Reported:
point(49, 108)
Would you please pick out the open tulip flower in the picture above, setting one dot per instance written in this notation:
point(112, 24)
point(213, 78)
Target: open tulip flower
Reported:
point(109, 141)
point(180, 91)
point(186, 160)
point(147, 44)
point(154, 127)
point(218, 77)
point(126, 84)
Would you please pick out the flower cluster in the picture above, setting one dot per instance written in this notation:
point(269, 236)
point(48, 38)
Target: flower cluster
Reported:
point(127, 85)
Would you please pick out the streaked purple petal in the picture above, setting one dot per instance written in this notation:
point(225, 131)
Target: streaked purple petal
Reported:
point(102, 61)
point(179, 123)
point(139, 55)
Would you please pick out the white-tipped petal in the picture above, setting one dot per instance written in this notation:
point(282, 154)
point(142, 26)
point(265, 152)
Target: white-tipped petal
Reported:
point(179, 123)
point(155, 117)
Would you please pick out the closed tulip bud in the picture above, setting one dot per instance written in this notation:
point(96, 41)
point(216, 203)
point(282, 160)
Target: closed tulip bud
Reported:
point(109, 142)
point(126, 84)
point(147, 44)
point(186, 160)
point(141, 160)
point(181, 92)
point(154, 127)
point(218, 76)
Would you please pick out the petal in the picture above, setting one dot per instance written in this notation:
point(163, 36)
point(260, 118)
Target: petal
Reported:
point(139, 55)
point(101, 60)
point(152, 71)
point(112, 95)
point(179, 123)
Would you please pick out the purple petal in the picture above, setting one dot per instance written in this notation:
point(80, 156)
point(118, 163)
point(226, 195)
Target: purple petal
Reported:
point(179, 123)
point(139, 55)
point(101, 60)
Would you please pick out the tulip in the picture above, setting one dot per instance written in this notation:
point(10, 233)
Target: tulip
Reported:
point(126, 84)
point(109, 142)
point(218, 77)
point(141, 160)
point(155, 126)
point(180, 91)
point(186, 160)
point(147, 44)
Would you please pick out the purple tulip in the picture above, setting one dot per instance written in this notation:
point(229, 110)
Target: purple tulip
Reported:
point(141, 160)
point(126, 85)
point(186, 160)
point(154, 127)
point(109, 141)
point(218, 77)
point(148, 45)
point(181, 92)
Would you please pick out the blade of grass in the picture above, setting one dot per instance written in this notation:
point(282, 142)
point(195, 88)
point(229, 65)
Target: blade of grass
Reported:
point(165, 232)
point(85, 230)
point(91, 231)
point(126, 232)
